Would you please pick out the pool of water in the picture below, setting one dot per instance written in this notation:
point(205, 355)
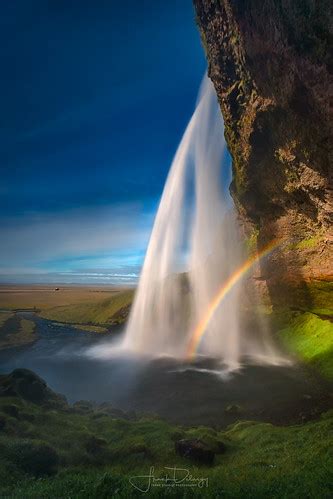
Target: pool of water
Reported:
point(196, 393)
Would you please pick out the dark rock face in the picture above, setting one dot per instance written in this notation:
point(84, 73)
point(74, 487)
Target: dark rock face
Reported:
point(26, 384)
point(271, 64)
point(196, 450)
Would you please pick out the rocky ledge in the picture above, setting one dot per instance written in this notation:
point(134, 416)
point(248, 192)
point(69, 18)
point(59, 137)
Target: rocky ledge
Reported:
point(271, 64)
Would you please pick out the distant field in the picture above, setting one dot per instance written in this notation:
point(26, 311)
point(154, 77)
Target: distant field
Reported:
point(99, 306)
point(44, 297)
point(107, 311)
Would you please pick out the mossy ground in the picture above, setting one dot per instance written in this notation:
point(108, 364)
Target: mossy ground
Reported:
point(306, 327)
point(261, 460)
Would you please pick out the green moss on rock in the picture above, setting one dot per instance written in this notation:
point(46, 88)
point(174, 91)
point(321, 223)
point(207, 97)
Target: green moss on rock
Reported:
point(310, 338)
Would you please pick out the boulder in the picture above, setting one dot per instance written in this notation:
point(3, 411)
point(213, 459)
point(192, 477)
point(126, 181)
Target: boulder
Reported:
point(27, 385)
point(195, 449)
point(94, 445)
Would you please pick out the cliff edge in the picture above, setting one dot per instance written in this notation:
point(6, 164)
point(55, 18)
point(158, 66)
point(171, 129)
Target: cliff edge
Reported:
point(271, 64)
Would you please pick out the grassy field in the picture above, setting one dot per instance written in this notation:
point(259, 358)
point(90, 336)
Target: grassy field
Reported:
point(89, 308)
point(106, 311)
point(45, 297)
point(90, 454)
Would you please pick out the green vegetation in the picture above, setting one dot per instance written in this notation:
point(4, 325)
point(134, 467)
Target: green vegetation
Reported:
point(310, 338)
point(21, 332)
point(251, 241)
point(309, 243)
point(67, 453)
point(91, 329)
point(88, 328)
point(306, 243)
point(109, 311)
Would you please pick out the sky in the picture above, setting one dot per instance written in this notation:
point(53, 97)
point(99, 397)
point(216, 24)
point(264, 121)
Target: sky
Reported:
point(95, 96)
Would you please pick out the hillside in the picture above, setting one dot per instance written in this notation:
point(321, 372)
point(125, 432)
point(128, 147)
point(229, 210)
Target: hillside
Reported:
point(51, 449)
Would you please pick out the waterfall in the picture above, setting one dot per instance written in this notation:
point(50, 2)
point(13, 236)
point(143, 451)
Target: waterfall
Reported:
point(194, 247)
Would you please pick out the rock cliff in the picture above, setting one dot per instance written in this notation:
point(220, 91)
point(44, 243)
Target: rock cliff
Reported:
point(271, 63)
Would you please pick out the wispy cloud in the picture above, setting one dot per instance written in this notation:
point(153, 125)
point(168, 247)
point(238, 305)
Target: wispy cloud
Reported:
point(101, 243)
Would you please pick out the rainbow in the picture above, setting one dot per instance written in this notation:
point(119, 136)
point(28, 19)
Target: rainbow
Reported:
point(201, 327)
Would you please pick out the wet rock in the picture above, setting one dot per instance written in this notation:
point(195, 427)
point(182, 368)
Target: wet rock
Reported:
point(196, 450)
point(29, 386)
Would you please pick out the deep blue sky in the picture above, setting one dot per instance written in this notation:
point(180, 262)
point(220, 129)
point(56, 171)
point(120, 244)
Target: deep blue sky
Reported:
point(95, 96)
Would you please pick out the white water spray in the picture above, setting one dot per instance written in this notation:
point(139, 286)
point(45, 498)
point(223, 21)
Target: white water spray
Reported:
point(195, 231)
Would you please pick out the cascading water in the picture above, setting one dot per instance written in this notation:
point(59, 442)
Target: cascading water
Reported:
point(193, 249)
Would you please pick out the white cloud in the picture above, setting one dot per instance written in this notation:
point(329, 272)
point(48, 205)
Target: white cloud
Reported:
point(105, 237)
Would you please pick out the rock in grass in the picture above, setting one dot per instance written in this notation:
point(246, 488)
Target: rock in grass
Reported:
point(27, 385)
point(94, 445)
point(220, 447)
point(196, 450)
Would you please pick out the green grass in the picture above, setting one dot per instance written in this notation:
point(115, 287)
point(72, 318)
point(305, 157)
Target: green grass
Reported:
point(310, 338)
point(261, 460)
point(113, 310)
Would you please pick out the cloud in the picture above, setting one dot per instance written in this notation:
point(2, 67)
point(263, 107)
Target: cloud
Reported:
point(110, 241)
